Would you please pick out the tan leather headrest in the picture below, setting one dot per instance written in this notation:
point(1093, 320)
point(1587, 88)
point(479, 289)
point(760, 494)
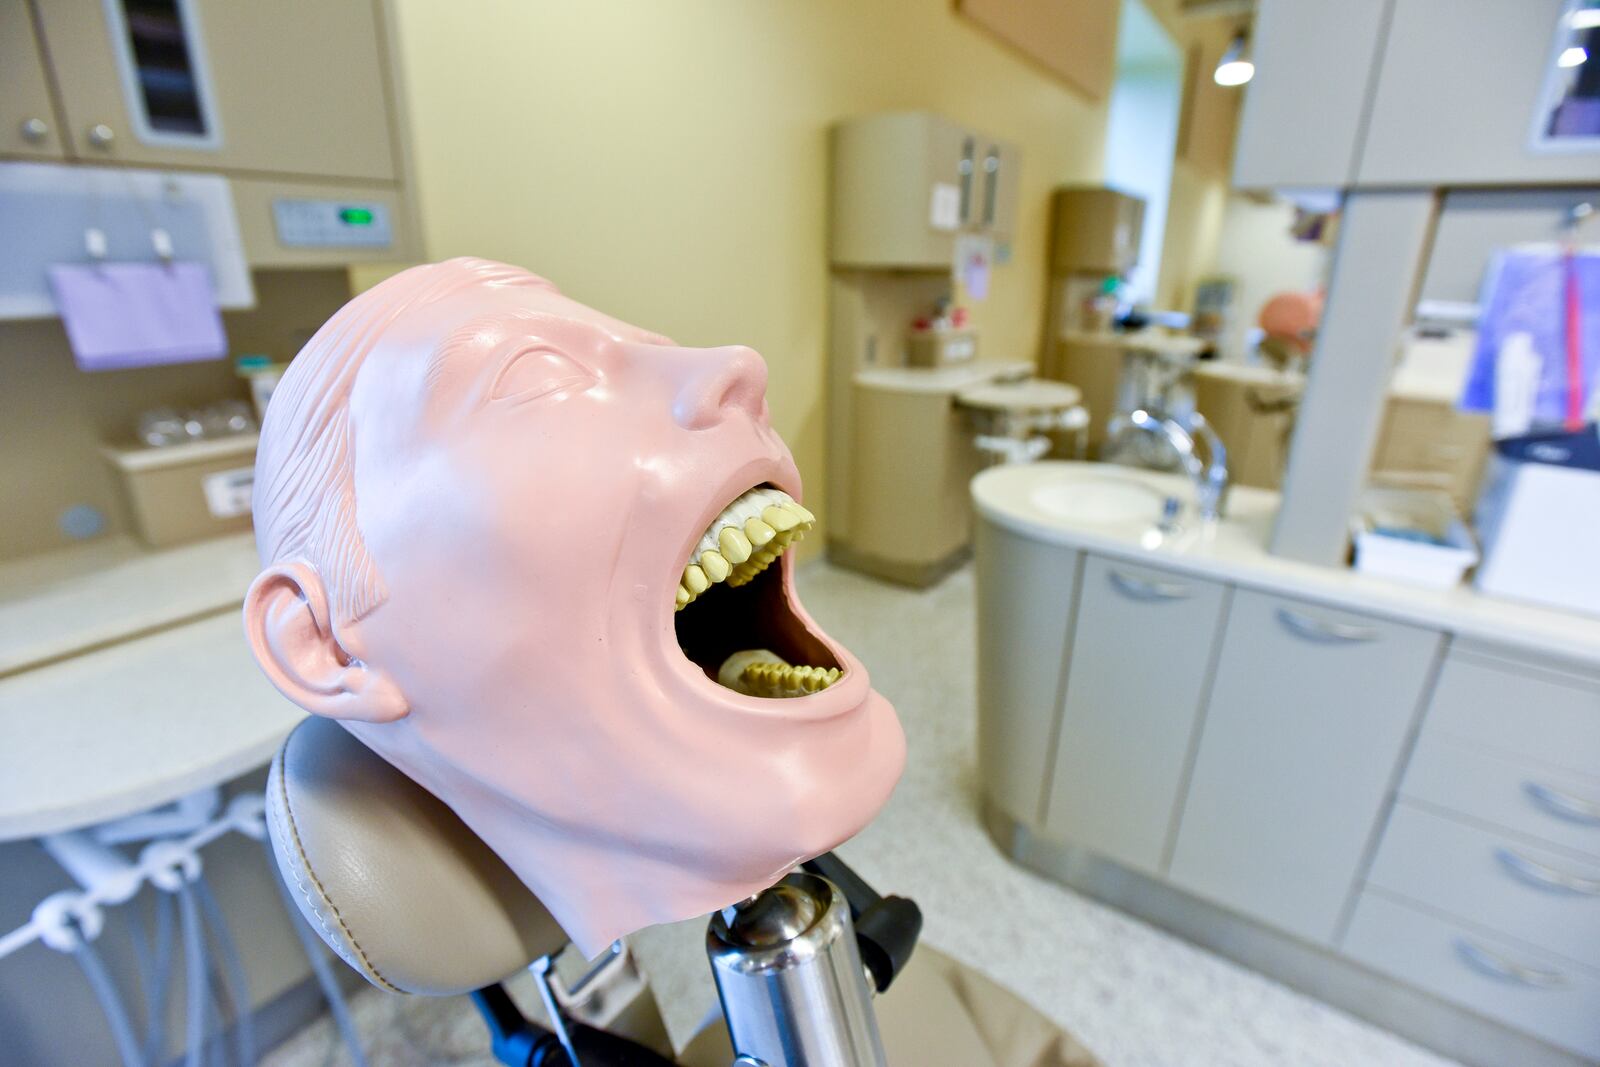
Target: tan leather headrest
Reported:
point(389, 877)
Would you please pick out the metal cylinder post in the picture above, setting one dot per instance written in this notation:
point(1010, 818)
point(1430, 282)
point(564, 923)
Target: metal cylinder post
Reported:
point(791, 980)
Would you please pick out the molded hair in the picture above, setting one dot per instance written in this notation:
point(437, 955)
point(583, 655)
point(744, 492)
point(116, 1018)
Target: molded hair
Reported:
point(305, 496)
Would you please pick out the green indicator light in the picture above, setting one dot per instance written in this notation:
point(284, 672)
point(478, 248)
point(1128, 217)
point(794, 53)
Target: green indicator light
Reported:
point(355, 216)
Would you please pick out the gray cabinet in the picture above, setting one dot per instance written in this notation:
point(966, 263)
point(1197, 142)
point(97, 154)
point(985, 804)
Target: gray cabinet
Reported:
point(1497, 977)
point(1460, 97)
point(1486, 884)
point(1301, 743)
point(1303, 109)
point(1407, 92)
point(1025, 592)
point(1140, 659)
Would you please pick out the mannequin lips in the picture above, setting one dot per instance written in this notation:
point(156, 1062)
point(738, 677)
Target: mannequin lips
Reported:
point(737, 617)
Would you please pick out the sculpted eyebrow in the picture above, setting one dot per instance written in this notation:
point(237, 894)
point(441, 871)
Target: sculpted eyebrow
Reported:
point(481, 332)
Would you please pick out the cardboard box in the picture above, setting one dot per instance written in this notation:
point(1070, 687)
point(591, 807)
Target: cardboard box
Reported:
point(187, 492)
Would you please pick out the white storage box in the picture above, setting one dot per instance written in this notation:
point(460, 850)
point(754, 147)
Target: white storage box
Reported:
point(1539, 517)
point(1438, 563)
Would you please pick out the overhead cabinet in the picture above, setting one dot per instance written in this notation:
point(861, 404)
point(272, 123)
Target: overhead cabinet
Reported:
point(905, 184)
point(27, 121)
point(293, 87)
point(297, 103)
point(1414, 92)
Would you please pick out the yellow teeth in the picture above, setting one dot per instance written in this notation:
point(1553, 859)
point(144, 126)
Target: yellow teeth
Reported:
point(780, 519)
point(743, 541)
point(760, 672)
point(715, 566)
point(736, 547)
point(759, 532)
point(782, 680)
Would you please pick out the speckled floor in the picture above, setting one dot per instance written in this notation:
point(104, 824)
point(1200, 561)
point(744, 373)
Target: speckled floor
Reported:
point(1135, 995)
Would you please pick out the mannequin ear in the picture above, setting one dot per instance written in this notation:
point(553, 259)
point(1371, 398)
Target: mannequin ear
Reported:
point(290, 630)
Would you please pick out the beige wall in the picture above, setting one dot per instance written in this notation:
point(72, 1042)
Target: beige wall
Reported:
point(1194, 226)
point(1205, 158)
point(667, 162)
point(1257, 250)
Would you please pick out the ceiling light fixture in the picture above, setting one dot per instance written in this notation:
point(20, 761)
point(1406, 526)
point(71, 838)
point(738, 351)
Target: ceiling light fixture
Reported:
point(1234, 68)
point(1575, 56)
point(1586, 18)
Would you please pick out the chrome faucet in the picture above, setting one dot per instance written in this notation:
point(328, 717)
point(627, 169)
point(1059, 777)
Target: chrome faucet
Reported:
point(1210, 477)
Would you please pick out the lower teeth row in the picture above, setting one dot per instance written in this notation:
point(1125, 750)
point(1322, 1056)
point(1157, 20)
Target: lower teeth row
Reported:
point(782, 680)
point(744, 551)
point(760, 672)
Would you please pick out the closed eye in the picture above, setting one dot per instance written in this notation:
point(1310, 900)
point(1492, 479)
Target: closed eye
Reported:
point(540, 372)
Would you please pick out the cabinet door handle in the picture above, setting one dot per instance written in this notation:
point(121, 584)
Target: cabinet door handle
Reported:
point(965, 168)
point(1148, 589)
point(1543, 876)
point(1486, 961)
point(991, 187)
point(1564, 805)
point(1327, 631)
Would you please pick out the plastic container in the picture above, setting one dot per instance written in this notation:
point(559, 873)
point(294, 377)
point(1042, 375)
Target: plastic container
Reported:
point(1436, 549)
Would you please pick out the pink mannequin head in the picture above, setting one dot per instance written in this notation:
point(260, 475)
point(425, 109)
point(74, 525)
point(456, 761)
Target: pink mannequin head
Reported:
point(475, 500)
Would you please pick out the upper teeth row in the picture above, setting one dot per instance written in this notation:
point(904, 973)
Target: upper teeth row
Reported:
point(743, 541)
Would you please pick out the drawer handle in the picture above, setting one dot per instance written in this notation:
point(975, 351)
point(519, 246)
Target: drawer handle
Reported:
point(1564, 805)
point(1491, 963)
point(1326, 631)
point(1543, 876)
point(1147, 589)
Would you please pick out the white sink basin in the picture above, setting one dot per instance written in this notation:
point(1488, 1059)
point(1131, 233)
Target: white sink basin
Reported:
point(1098, 498)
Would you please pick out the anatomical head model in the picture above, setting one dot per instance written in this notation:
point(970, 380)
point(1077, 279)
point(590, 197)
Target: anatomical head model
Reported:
point(533, 557)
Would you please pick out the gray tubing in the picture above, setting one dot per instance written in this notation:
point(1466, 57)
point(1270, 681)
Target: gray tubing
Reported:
point(105, 991)
point(319, 965)
point(194, 973)
point(233, 967)
point(160, 980)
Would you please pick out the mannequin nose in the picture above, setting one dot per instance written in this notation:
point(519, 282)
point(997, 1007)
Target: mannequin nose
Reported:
point(720, 381)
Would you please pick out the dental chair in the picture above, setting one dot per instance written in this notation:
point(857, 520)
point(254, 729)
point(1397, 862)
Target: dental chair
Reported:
point(398, 887)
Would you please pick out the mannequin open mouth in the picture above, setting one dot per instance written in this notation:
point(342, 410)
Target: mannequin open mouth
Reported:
point(734, 620)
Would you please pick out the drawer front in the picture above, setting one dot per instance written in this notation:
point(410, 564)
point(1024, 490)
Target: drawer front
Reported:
point(1300, 743)
point(1523, 711)
point(1526, 989)
point(1538, 800)
point(1125, 728)
point(1548, 899)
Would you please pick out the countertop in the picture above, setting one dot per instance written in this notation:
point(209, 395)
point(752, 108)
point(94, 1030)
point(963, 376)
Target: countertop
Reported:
point(1173, 345)
point(60, 604)
point(951, 379)
point(1029, 394)
point(125, 681)
point(1234, 551)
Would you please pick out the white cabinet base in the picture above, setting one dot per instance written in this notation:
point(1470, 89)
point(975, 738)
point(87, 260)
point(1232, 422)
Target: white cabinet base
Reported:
point(1401, 1008)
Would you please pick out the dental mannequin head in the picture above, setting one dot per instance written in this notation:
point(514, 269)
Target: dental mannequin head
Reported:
point(475, 503)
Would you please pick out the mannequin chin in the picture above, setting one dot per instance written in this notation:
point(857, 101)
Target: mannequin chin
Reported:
point(535, 558)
